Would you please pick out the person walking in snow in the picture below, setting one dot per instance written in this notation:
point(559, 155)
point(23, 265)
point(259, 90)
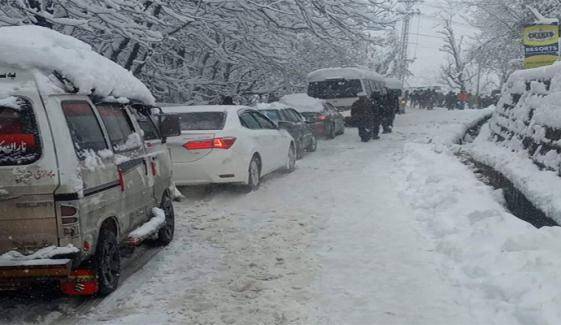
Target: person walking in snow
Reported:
point(391, 107)
point(376, 108)
point(361, 114)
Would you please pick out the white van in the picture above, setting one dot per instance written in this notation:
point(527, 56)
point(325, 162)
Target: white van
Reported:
point(340, 86)
point(76, 178)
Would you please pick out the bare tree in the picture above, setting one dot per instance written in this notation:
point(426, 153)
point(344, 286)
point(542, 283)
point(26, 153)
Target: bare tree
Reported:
point(455, 71)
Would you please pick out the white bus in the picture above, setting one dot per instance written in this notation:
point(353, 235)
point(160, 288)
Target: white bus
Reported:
point(340, 86)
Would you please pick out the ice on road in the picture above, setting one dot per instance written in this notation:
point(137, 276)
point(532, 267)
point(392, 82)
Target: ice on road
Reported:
point(348, 238)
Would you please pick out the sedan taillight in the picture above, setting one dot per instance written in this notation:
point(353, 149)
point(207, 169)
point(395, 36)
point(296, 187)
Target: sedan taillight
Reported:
point(322, 117)
point(216, 143)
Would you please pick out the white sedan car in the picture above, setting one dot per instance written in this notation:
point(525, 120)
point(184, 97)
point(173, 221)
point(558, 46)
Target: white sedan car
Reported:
point(228, 144)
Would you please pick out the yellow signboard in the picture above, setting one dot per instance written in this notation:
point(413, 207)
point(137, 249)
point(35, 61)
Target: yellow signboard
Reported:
point(541, 45)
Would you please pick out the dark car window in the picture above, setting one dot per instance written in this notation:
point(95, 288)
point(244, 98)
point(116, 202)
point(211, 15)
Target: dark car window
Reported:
point(119, 127)
point(273, 114)
point(334, 88)
point(147, 125)
point(202, 121)
point(292, 116)
point(19, 135)
point(263, 121)
point(248, 121)
point(84, 127)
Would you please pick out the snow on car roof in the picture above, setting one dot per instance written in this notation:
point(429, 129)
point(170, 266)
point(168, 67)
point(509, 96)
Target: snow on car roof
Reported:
point(269, 106)
point(45, 50)
point(303, 103)
point(393, 83)
point(343, 73)
point(202, 108)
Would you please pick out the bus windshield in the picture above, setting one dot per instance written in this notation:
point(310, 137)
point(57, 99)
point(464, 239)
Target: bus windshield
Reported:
point(335, 88)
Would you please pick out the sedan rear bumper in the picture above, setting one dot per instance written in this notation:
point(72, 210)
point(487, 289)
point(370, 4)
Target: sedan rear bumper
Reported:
point(215, 168)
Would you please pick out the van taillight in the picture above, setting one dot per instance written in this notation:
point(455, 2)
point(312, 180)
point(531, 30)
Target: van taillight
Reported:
point(68, 215)
point(216, 143)
point(67, 211)
point(322, 117)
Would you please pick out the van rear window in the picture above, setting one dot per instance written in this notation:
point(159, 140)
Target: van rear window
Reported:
point(19, 135)
point(202, 121)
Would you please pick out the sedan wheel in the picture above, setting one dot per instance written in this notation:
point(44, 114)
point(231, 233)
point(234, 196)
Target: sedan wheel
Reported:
point(254, 178)
point(291, 161)
point(313, 144)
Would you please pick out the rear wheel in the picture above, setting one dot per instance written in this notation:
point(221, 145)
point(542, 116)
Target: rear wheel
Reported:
point(291, 160)
point(331, 132)
point(300, 150)
point(313, 144)
point(165, 234)
point(107, 261)
point(254, 175)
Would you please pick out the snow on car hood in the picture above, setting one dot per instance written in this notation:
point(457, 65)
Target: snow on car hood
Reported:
point(34, 47)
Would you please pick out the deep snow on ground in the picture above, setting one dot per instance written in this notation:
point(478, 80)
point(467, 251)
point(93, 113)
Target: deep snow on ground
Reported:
point(395, 231)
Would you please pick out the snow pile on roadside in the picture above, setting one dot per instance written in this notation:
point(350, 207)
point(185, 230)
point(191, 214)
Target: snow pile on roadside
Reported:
point(509, 271)
point(541, 187)
point(523, 138)
point(302, 102)
point(149, 228)
point(34, 47)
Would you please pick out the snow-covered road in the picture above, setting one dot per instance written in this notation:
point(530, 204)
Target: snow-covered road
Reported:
point(332, 243)
point(360, 233)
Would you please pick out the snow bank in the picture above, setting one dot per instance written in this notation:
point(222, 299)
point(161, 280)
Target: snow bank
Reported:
point(523, 138)
point(508, 271)
point(33, 47)
point(303, 103)
point(343, 73)
point(156, 222)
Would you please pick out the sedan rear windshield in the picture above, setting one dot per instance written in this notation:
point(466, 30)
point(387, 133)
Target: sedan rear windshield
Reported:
point(19, 136)
point(202, 121)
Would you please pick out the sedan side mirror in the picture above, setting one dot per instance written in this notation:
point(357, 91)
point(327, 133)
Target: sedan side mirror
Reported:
point(169, 125)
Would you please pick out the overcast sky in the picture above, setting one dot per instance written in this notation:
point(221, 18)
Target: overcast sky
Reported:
point(425, 42)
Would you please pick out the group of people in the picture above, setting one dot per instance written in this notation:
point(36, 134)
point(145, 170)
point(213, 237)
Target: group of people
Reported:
point(431, 98)
point(369, 113)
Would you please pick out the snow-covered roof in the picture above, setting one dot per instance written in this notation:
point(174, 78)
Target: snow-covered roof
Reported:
point(270, 106)
point(44, 50)
point(343, 73)
point(393, 83)
point(303, 103)
point(202, 108)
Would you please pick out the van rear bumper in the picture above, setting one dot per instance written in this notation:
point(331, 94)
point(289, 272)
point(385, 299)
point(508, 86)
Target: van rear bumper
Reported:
point(34, 269)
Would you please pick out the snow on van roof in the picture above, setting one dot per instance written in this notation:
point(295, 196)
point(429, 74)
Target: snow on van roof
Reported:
point(201, 108)
point(43, 49)
point(392, 83)
point(343, 73)
point(303, 103)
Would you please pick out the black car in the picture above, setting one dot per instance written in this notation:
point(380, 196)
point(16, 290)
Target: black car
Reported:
point(289, 119)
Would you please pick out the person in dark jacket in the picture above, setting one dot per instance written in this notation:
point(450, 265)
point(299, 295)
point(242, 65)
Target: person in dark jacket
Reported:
point(391, 107)
point(361, 114)
point(377, 103)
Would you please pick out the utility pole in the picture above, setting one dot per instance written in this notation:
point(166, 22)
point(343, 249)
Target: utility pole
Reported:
point(403, 63)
